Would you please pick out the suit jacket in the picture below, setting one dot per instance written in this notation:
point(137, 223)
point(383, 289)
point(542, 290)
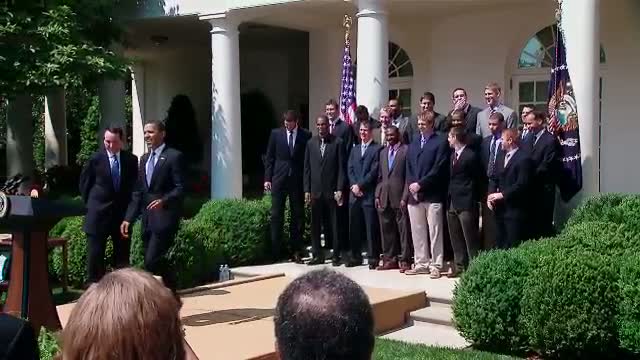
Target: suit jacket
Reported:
point(324, 175)
point(18, 340)
point(471, 118)
point(345, 132)
point(545, 158)
point(429, 167)
point(106, 206)
point(403, 124)
point(363, 171)
point(485, 150)
point(392, 183)
point(167, 184)
point(464, 180)
point(280, 163)
point(514, 182)
point(375, 132)
point(482, 127)
point(440, 125)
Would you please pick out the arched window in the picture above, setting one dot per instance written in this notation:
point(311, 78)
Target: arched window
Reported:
point(400, 76)
point(540, 50)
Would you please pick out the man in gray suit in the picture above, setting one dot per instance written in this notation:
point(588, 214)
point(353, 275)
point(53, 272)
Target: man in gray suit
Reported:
point(492, 94)
point(398, 119)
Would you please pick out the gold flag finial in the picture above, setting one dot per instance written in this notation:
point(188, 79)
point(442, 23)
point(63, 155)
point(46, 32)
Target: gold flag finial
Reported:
point(347, 23)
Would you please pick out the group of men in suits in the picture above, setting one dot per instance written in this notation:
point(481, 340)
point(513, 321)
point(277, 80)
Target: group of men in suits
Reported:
point(406, 186)
point(117, 190)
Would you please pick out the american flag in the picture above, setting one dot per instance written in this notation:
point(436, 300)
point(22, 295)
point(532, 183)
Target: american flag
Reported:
point(563, 122)
point(348, 86)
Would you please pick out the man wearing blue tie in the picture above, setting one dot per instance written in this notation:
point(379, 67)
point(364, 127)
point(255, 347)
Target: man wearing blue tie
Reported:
point(106, 184)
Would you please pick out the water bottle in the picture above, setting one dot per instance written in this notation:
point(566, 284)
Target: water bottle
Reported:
point(221, 273)
point(229, 274)
point(226, 272)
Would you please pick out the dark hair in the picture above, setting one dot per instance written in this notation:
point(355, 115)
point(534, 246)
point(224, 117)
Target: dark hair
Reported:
point(428, 95)
point(324, 315)
point(398, 100)
point(458, 88)
point(366, 124)
point(332, 102)
point(394, 129)
point(362, 110)
point(459, 134)
point(290, 113)
point(459, 112)
point(539, 115)
point(322, 116)
point(115, 130)
point(157, 123)
point(498, 116)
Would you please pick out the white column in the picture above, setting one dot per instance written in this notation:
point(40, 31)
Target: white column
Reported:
point(226, 142)
point(19, 136)
point(112, 105)
point(372, 89)
point(581, 24)
point(55, 129)
point(137, 102)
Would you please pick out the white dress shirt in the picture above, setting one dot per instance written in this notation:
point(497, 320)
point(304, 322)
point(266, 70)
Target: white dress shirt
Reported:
point(508, 156)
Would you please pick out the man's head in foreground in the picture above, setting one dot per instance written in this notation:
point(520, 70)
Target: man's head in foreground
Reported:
point(324, 315)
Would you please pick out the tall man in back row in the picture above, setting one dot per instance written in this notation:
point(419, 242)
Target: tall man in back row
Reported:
point(106, 183)
point(158, 199)
point(284, 165)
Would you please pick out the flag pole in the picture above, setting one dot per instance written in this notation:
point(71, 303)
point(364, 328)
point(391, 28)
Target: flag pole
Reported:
point(347, 23)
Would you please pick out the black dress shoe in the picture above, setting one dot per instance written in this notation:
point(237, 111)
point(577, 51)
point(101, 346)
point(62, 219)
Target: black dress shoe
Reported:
point(353, 263)
point(335, 262)
point(316, 261)
point(297, 259)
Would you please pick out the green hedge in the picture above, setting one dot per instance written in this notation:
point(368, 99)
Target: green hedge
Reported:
point(560, 296)
point(234, 232)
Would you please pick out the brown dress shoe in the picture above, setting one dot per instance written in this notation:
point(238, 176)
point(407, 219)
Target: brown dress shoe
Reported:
point(388, 265)
point(404, 266)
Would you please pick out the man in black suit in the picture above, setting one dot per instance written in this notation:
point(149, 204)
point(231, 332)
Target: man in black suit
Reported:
point(458, 119)
point(509, 191)
point(158, 198)
point(324, 180)
point(340, 129)
point(544, 151)
point(464, 195)
point(428, 103)
point(460, 102)
point(362, 116)
point(284, 165)
point(363, 174)
point(490, 152)
point(427, 176)
point(106, 183)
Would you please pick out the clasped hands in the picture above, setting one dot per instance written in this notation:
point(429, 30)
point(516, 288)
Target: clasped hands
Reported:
point(492, 198)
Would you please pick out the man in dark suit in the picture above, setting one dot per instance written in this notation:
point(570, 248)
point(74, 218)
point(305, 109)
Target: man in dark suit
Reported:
point(398, 119)
point(544, 151)
point(391, 205)
point(458, 119)
point(464, 195)
point(106, 183)
point(459, 99)
point(363, 174)
point(428, 103)
point(158, 198)
point(324, 180)
point(509, 192)
point(427, 176)
point(490, 152)
point(340, 129)
point(375, 126)
point(284, 166)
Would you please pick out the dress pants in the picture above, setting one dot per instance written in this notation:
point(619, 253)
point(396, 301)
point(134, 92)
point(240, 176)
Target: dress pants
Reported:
point(488, 227)
point(156, 245)
point(296, 225)
point(323, 215)
point(426, 226)
point(544, 206)
point(510, 232)
point(464, 235)
point(396, 243)
point(97, 244)
point(363, 224)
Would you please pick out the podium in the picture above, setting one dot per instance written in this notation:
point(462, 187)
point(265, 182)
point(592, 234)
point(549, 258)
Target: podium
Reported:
point(29, 221)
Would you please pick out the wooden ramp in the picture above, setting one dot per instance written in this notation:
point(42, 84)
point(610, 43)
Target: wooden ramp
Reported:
point(234, 320)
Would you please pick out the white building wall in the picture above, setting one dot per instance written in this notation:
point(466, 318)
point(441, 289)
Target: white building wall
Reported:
point(325, 68)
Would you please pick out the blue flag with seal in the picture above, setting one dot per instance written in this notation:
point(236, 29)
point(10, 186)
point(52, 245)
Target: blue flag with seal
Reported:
point(563, 122)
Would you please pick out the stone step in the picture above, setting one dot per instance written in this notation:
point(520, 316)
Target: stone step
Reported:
point(428, 334)
point(436, 313)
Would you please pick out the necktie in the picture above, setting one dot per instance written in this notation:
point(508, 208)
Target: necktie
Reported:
point(507, 157)
point(392, 156)
point(291, 142)
point(492, 110)
point(322, 147)
point(150, 166)
point(455, 158)
point(492, 157)
point(422, 142)
point(115, 173)
point(363, 149)
point(331, 126)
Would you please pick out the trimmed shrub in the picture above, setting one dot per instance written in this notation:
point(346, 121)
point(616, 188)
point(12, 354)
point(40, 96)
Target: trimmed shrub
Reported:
point(604, 238)
point(616, 208)
point(569, 305)
point(629, 311)
point(487, 300)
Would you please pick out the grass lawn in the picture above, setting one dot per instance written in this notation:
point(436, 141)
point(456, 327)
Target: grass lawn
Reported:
point(395, 350)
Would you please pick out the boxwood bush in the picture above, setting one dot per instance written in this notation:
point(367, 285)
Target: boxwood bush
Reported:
point(568, 307)
point(629, 304)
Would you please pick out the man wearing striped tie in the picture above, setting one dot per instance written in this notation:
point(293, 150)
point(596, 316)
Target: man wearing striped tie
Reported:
point(106, 183)
point(490, 152)
point(492, 96)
